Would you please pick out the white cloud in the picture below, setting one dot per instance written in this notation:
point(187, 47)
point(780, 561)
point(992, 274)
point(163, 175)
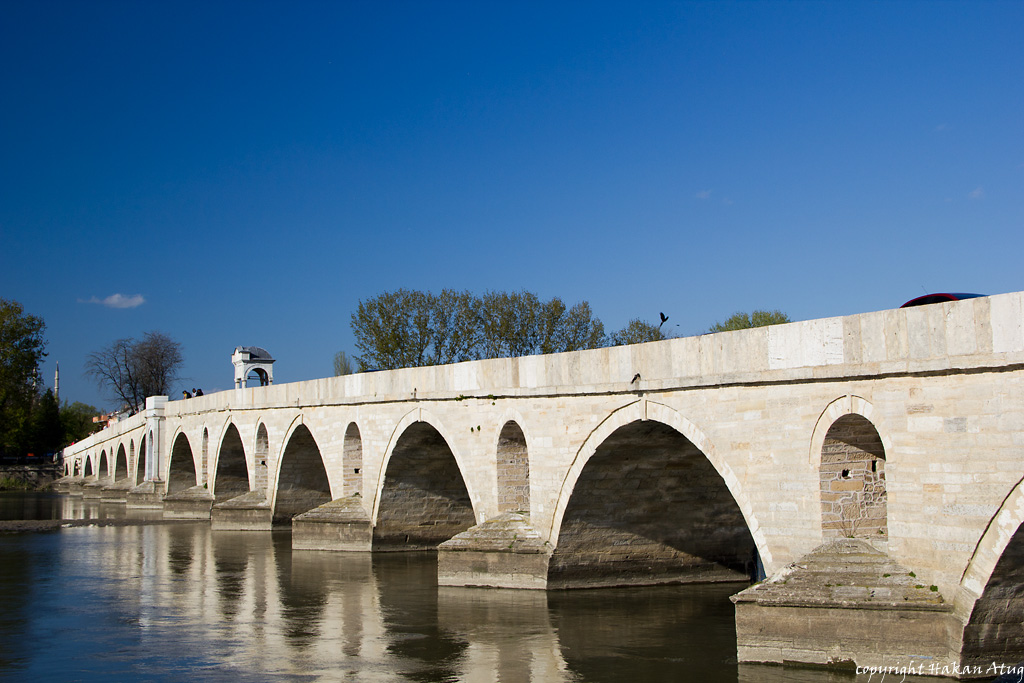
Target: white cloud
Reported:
point(118, 301)
point(703, 194)
point(941, 127)
point(978, 193)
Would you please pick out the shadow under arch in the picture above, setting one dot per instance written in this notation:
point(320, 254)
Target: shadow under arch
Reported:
point(352, 461)
point(422, 498)
point(260, 458)
point(231, 472)
point(120, 472)
point(991, 596)
point(647, 500)
point(850, 404)
point(103, 466)
point(410, 418)
point(139, 462)
point(302, 481)
point(513, 468)
point(181, 468)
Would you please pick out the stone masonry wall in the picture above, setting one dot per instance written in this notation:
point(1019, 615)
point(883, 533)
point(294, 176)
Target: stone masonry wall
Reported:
point(513, 470)
point(853, 498)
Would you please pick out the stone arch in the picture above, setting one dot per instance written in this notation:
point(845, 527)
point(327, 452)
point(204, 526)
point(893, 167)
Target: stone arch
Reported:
point(231, 474)
point(844, 405)
point(649, 505)
point(140, 461)
point(513, 469)
point(850, 455)
point(102, 467)
point(204, 456)
point(413, 416)
point(120, 464)
point(992, 588)
point(642, 410)
point(87, 466)
point(422, 498)
point(131, 460)
point(352, 461)
point(181, 469)
point(302, 482)
point(261, 455)
point(146, 456)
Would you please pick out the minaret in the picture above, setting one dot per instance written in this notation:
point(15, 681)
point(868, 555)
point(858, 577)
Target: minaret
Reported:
point(56, 384)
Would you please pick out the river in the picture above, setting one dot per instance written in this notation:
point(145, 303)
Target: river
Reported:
point(179, 602)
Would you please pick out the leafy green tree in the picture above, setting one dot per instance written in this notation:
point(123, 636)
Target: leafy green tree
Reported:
point(410, 328)
point(46, 434)
point(22, 348)
point(636, 331)
point(580, 329)
point(455, 317)
point(76, 421)
point(510, 324)
point(392, 330)
point(742, 321)
point(343, 365)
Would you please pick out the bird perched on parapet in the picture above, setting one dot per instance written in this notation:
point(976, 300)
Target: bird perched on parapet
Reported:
point(636, 378)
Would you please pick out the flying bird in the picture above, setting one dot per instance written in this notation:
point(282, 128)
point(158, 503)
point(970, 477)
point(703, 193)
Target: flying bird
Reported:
point(664, 319)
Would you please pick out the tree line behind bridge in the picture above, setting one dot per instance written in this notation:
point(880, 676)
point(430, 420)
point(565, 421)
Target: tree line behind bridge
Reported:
point(410, 328)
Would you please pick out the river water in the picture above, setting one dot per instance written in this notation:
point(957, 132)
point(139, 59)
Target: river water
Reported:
point(179, 602)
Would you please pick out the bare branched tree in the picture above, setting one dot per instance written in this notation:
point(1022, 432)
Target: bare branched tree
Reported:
point(131, 370)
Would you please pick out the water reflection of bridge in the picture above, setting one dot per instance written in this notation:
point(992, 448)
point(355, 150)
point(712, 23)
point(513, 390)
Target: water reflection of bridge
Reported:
point(381, 617)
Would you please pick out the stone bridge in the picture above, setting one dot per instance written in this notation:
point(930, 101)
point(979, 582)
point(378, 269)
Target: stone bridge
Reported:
point(871, 465)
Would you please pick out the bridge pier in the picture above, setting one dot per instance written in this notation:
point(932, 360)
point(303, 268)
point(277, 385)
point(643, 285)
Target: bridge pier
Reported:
point(63, 484)
point(145, 496)
point(338, 525)
point(93, 489)
point(845, 603)
point(116, 493)
point(505, 552)
point(193, 503)
point(247, 512)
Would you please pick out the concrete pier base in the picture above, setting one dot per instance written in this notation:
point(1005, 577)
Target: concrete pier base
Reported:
point(341, 524)
point(117, 492)
point(93, 489)
point(146, 496)
point(63, 484)
point(247, 512)
point(504, 552)
point(193, 503)
point(73, 486)
point(845, 604)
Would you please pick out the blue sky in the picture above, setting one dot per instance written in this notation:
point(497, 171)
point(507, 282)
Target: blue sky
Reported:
point(245, 173)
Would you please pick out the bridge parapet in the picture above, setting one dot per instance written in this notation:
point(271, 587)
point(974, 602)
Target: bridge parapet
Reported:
point(961, 335)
